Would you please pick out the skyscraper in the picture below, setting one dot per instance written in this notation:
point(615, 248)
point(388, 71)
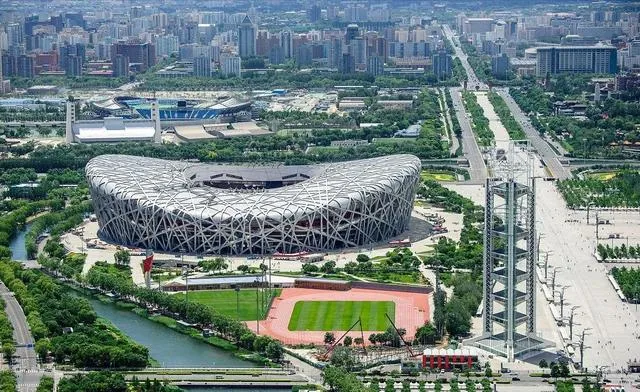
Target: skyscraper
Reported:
point(120, 65)
point(347, 64)
point(286, 43)
point(247, 38)
point(314, 13)
point(143, 54)
point(441, 62)
point(375, 65)
point(202, 66)
point(231, 65)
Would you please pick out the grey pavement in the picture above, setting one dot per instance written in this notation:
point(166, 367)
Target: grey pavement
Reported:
point(470, 149)
point(25, 364)
point(473, 82)
point(543, 149)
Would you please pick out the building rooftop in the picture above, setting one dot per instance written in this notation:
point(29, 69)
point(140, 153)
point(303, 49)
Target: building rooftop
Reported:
point(113, 129)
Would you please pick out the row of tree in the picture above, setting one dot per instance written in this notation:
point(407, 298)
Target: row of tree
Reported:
point(629, 281)
point(506, 118)
point(618, 252)
point(480, 123)
point(623, 190)
point(66, 326)
point(227, 327)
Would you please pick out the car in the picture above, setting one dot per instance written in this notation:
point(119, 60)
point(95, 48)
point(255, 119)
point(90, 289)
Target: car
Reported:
point(515, 378)
point(441, 371)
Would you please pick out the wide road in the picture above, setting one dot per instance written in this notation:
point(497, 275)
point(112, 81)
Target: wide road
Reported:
point(470, 149)
point(26, 362)
point(473, 83)
point(544, 150)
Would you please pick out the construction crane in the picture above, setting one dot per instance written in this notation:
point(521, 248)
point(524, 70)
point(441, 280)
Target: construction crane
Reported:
point(325, 355)
point(400, 335)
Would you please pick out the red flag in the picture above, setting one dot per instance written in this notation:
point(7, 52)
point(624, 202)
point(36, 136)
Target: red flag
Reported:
point(148, 262)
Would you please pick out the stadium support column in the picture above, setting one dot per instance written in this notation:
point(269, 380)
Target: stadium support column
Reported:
point(70, 120)
point(155, 117)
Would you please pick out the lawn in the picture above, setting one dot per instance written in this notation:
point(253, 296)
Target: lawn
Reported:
point(340, 315)
point(438, 175)
point(224, 301)
point(601, 175)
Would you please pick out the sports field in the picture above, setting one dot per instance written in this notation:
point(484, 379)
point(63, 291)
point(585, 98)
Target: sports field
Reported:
point(340, 315)
point(438, 175)
point(224, 301)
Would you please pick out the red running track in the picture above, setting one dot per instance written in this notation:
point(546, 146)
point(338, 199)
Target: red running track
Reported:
point(412, 311)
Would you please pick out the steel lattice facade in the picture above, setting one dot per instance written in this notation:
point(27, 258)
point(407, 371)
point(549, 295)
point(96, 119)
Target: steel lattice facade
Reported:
point(197, 208)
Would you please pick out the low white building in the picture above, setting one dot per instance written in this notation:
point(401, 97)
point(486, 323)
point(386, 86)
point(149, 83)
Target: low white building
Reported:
point(112, 129)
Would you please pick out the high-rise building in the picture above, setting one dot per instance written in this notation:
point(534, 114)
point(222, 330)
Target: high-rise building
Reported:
point(314, 13)
point(576, 59)
point(358, 48)
point(276, 55)
point(347, 64)
point(73, 65)
point(442, 63)
point(335, 53)
point(27, 66)
point(202, 66)
point(142, 54)
point(500, 66)
point(286, 43)
point(375, 65)
point(120, 65)
point(304, 56)
point(231, 65)
point(351, 33)
point(166, 45)
point(247, 38)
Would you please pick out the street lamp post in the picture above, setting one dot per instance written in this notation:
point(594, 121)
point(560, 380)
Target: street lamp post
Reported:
point(571, 322)
point(257, 309)
point(237, 290)
point(185, 272)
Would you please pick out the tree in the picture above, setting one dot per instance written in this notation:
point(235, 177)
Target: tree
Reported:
point(358, 341)
point(343, 357)
point(373, 338)
point(426, 334)
point(487, 370)
point(309, 268)
point(458, 318)
point(555, 370)
point(8, 350)
point(243, 268)
point(329, 338)
point(122, 257)
point(43, 346)
point(351, 267)
point(328, 267)
point(362, 258)
point(347, 341)
point(543, 363)
point(274, 351)
point(213, 265)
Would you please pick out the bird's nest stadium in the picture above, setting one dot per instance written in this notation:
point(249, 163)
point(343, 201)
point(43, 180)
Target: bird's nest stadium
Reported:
point(198, 208)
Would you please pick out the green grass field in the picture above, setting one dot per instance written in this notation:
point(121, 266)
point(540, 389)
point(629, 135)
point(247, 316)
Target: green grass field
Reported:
point(224, 301)
point(438, 175)
point(340, 315)
point(601, 175)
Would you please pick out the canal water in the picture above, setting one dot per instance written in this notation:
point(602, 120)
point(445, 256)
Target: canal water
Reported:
point(18, 250)
point(170, 348)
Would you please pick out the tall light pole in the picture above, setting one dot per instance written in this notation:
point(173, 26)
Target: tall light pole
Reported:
point(553, 282)
point(257, 309)
point(561, 292)
point(571, 322)
point(583, 347)
point(185, 272)
point(237, 290)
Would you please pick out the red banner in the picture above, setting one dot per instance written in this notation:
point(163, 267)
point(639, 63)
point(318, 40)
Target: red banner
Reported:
point(147, 263)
